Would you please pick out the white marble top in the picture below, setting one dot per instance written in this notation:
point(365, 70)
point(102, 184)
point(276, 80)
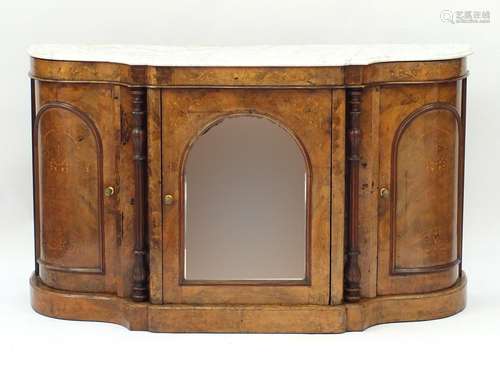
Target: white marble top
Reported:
point(296, 55)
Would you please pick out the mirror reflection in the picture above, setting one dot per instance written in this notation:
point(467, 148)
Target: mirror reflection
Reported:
point(245, 203)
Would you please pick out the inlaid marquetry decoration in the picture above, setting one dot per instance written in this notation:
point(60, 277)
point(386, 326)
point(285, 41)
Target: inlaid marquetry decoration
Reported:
point(425, 186)
point(70, 171)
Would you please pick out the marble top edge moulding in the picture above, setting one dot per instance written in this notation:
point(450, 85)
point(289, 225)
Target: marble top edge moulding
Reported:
point(250, 56)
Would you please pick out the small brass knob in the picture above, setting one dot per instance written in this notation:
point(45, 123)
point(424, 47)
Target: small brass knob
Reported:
point(168, 199)
point(109, 191)
point(384, 193)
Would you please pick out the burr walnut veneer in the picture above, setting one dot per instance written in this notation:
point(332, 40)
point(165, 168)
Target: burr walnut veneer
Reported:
point(348, 175)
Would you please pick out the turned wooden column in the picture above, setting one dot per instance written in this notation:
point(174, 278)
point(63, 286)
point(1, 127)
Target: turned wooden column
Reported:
point(140, 275)
point(352, 272)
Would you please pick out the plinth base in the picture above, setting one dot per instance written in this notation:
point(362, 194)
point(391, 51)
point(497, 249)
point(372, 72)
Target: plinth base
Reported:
point(247, 318)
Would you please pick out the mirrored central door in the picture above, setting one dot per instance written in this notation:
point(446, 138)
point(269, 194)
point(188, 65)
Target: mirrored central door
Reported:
point(246, 185)
point(245, 203)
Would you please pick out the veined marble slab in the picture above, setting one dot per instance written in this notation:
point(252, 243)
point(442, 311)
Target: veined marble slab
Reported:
point(251, 56)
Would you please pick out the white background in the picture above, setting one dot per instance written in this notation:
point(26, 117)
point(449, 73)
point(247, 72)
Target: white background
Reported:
point(468, 337)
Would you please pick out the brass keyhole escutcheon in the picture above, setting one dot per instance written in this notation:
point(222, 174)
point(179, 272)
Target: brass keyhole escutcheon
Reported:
point(109, 191)
point(168, 199)
point(384, 193)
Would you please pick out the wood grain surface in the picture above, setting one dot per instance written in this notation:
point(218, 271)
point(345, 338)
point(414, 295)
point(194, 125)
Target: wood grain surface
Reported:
point(384, 145)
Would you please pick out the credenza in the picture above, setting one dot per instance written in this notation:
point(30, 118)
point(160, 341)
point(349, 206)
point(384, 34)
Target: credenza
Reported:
point(309, 189)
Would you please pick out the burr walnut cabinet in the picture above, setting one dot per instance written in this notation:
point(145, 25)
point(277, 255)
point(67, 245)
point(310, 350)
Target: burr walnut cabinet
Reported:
point(249, 189)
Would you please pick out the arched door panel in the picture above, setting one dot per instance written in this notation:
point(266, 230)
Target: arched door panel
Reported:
point(246, 178)
point(420, 161)
point(74, 160)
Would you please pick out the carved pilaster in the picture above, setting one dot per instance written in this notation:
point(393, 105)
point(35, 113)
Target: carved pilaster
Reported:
point(140, 275)
point(352, 273)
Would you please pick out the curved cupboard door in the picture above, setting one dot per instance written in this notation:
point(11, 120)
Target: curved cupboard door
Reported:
point(246, 190)
point(420, 189)
point(74, 162)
